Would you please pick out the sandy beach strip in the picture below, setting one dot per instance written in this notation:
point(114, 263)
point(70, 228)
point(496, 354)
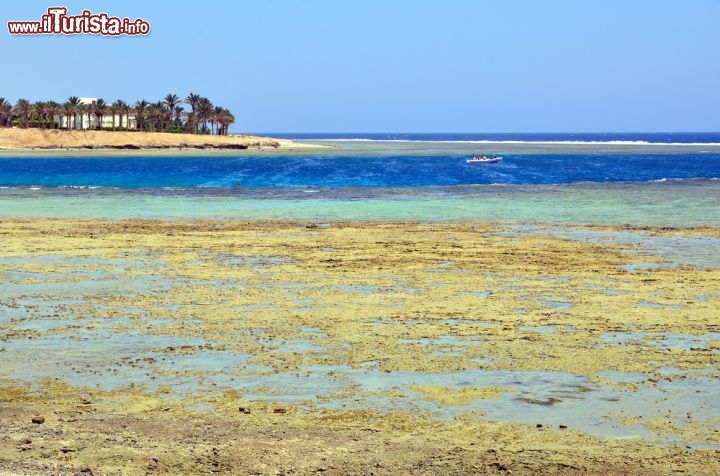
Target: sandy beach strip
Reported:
point(44, 142)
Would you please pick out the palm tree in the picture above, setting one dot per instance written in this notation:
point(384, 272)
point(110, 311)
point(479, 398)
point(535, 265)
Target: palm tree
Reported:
point(47, 116)
point(140, 107)
point(205, 110)
point(160, 113)
point(53, 109)
point(229, 119)
point(68, 112)
point(84, 109)
point(24, 109)
point(190, 122)
point(90, 108)
point(40, 109)
point(151, 115)
point(99, 107)
point(5, 112)
point(114, 109)
point(127, 109)
point(179, 112)
point(225, 118)
point(193, 100)
point(172, 100)
point(74, 103)
point(121, 107)
point(215, 119)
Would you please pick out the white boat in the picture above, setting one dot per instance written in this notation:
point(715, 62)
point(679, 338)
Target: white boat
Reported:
point(483, 159)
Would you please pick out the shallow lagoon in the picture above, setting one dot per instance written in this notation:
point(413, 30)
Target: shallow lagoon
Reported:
point(693, 203)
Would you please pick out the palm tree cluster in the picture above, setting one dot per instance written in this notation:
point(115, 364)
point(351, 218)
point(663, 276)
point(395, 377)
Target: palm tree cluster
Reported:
point(166, 115)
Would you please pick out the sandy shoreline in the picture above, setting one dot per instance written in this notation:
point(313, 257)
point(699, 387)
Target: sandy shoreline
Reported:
point(39, 142)
point(232, 347)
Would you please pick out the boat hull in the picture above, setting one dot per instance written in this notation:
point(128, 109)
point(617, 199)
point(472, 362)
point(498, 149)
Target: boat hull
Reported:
point(484, 161)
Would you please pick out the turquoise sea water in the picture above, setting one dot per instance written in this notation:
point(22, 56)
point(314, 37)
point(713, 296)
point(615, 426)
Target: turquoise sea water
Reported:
point(658, 203)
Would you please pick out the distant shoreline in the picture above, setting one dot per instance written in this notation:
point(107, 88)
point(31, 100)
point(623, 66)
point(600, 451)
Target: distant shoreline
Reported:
point(402, 147)
point(51, 143)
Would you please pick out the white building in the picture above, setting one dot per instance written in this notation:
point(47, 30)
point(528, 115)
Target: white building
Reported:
point(89, 120)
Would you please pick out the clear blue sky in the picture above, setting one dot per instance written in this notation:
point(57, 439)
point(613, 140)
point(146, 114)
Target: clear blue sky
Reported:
point(393, 65)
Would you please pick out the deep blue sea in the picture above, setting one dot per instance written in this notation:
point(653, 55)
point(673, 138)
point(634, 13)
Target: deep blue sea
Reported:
point(352, 171)
point(407, 165)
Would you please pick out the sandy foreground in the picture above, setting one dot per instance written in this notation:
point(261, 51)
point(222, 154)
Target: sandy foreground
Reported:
point(54, 141)
point(301, 299)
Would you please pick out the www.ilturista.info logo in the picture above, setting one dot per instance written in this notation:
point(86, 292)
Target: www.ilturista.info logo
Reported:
point(58, 22)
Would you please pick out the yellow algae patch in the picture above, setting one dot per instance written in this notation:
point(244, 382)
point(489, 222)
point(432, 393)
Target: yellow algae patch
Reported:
point(397, 296)
point(689, 428)
point(457, 396)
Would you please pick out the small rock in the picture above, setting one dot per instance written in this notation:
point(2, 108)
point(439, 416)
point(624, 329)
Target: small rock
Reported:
point(279, 410)
point(38, 419)
point(244, 410)
point(539, 425)
point(26, 441)
point(562, 427)
point(501, 467)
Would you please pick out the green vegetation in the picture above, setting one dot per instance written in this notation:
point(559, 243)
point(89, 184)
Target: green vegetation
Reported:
point(166, 115)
